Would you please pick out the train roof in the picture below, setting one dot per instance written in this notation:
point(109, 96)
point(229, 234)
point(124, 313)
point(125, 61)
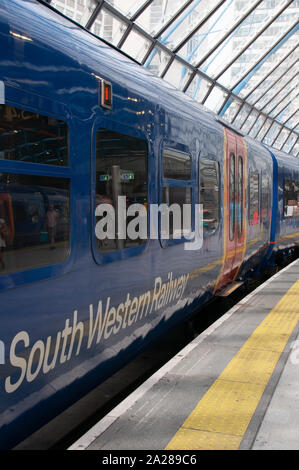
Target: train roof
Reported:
point(285, 159)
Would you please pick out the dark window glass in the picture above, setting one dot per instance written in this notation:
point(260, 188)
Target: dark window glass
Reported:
point(176, 195)
point(291, 198)
point(121, 170)
point(176, 165)
point(265, 199)
point(34, 221)
point(209, 193)
point(232, 196)
point(254, 198)
point(31, 137)
point(241, 197)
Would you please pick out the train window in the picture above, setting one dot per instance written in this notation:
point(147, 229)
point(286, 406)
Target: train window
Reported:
point(209, 193)
point(232, 196)
point(31, 137)
point(171, 196)
point(291, 198)
point(177, 215)
point(254, 198)
point(265, 199)
point(121, 170)
point(34, 221)
point(240, 196)
point(176, 165)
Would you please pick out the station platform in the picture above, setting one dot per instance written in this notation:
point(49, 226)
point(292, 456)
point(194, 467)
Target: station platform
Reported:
point(235, 386)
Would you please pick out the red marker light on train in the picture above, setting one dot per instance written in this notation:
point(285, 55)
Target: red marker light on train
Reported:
point(106, 94)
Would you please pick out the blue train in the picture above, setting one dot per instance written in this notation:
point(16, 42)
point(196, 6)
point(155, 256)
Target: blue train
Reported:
point(81, 125)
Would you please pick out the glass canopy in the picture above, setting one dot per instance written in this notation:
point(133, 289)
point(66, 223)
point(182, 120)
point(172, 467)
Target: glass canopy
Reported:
point(237, 58)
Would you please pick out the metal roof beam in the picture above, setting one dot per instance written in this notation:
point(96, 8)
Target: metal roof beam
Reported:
point(291, 131)
point(273, 70)
point(141, 10)
point(239, 110)
point(94, 14)
point(285, 107)
point(294, 127)
point(202, 22)
point(172, 20)
point(250, 105)
point(229, 32)
point(156, 42)
point(284, 141)
point(131, 24)
point(278, 135)
point(291, 30)
point(294, 145)
point(268, 131)
point(275, 82)
point(281, 100)
point(221, 41)
point(266, 26)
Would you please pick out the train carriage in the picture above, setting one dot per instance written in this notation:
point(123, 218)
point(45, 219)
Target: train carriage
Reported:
point(287, 212)
point(82, 125)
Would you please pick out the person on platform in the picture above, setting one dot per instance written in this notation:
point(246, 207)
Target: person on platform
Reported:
point(4, 232)
point(52, 220)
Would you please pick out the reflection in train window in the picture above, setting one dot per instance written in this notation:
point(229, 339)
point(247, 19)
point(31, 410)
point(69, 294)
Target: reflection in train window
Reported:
point(121, 171)
point(209, 193)
point(265, 202)
point(291, 198)
point(254, 198)
point(31, 137)
point(34, 221)
point(176, 165)
point(176, 220)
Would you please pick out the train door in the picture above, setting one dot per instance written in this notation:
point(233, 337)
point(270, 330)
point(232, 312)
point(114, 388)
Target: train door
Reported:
point(232, 178)
point(234, 233)
point(240, 229)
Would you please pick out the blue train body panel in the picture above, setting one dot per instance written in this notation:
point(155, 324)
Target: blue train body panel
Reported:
point(67, 326)
point(287, 226)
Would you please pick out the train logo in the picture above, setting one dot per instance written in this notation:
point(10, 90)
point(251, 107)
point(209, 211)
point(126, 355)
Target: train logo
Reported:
point(103, 323)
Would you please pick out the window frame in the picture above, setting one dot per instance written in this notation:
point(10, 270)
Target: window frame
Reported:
point(250, 219)
point(208, 233)
point(170, 182)
point(27, 101)
point(167, 149)
point(265, 197)
point(291, 217)
point(43, 114)
point(124, 253)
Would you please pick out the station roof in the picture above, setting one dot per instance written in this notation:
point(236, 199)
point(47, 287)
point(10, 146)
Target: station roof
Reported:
point(237, 58)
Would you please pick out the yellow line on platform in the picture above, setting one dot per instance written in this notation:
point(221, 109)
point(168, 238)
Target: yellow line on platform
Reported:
point(222, 416)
